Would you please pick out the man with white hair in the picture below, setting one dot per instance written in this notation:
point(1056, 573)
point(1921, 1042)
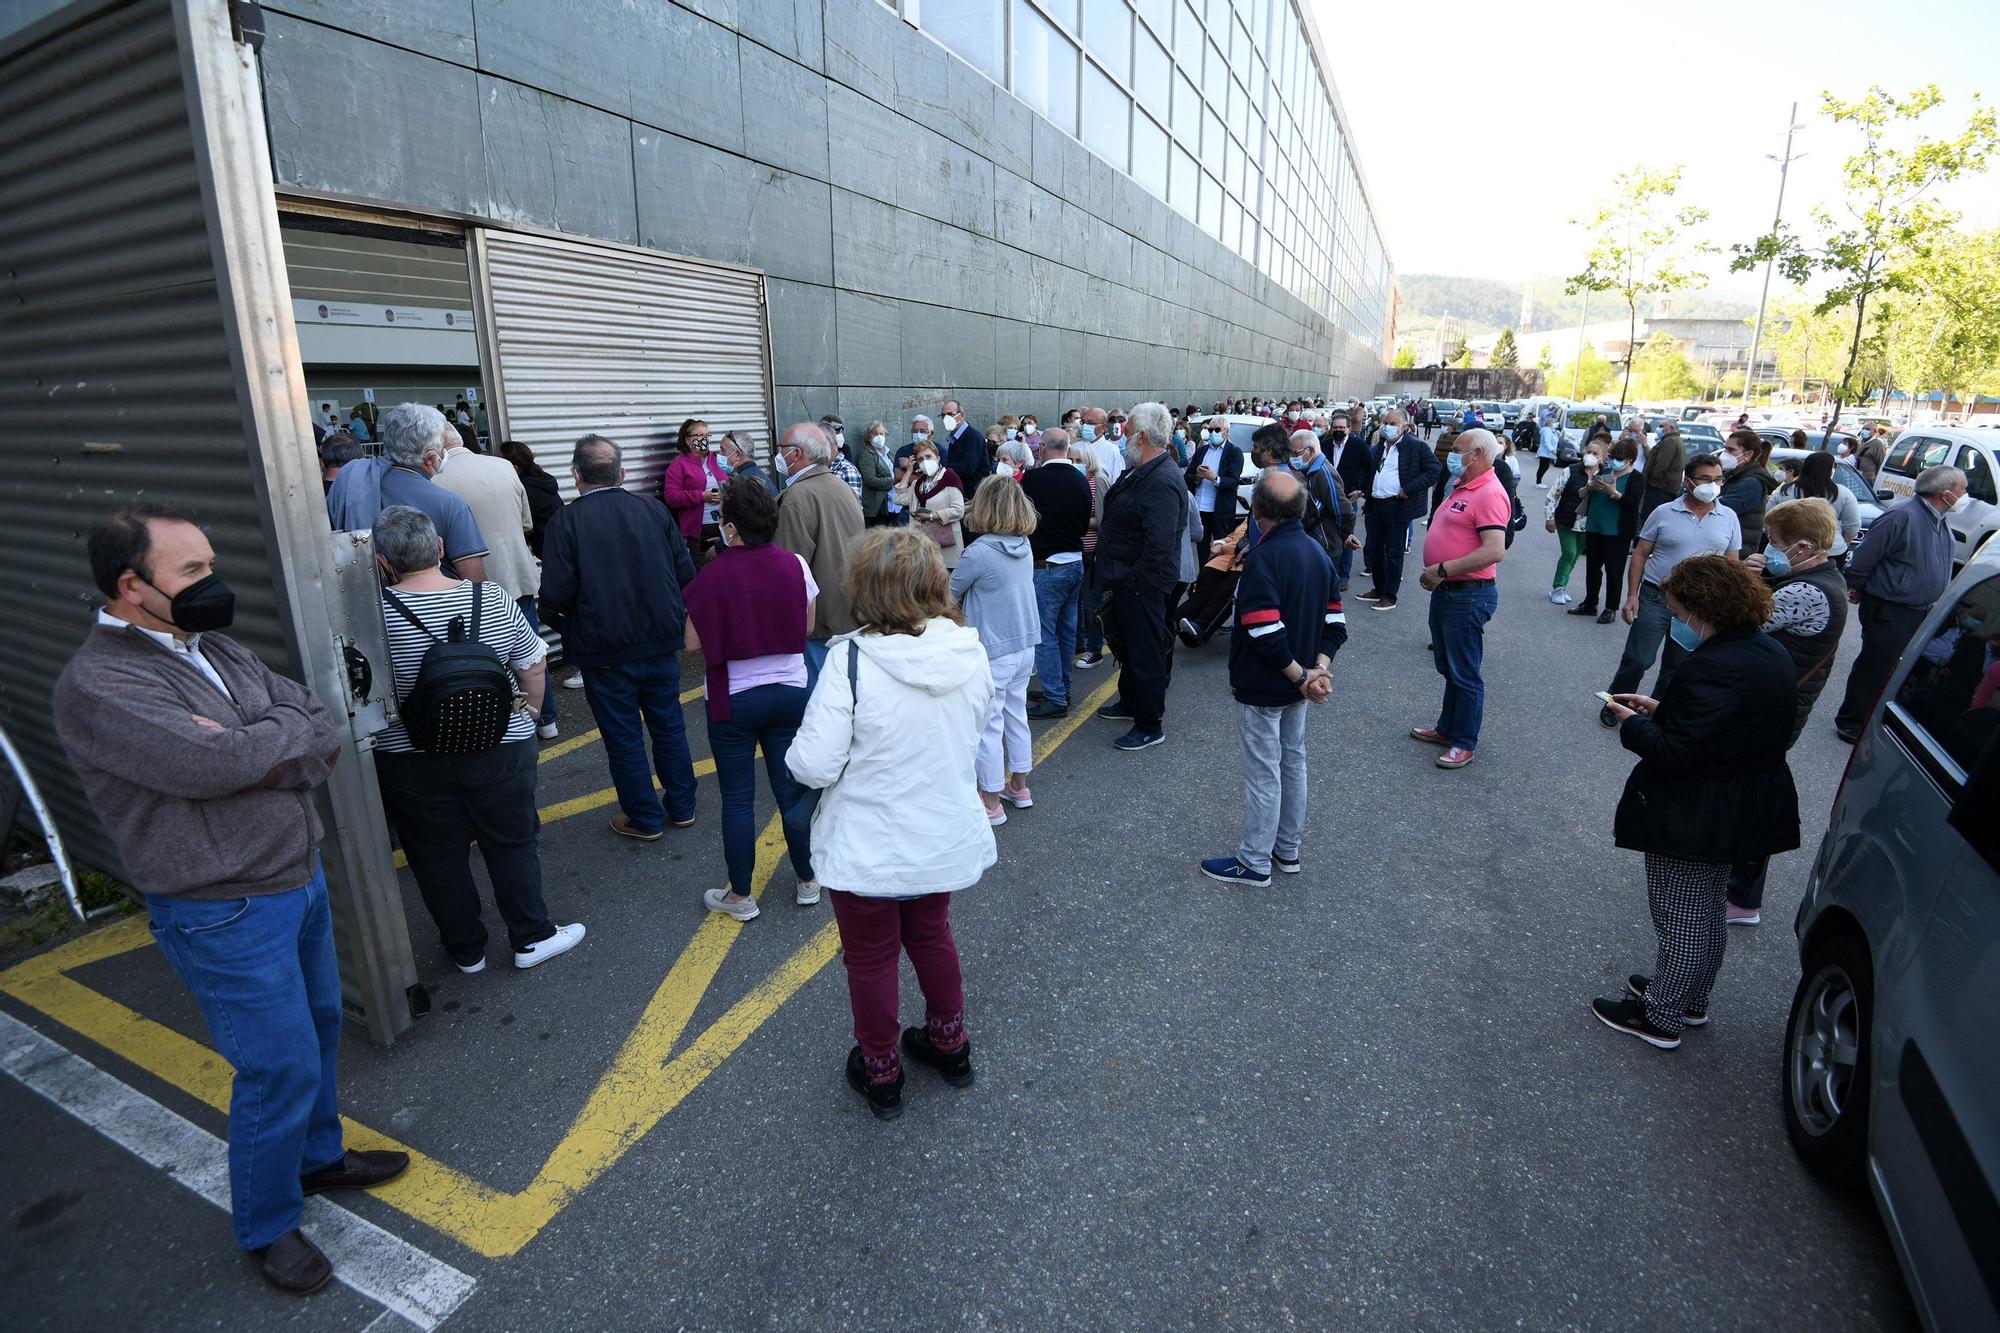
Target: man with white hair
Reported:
point(1903, 567)
point(1096, 437)
point(414, 441)
point(818, 517)
point(1463, 548)
point(964, 448)
point(1403, 471)
point(1138, 563)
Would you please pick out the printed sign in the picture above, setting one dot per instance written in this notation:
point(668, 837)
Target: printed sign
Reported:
point(307, 310)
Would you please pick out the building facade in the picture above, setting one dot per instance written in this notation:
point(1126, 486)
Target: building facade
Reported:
point(1020, 204)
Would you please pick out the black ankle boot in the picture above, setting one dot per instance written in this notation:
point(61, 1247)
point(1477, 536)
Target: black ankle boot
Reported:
point(956, 1067)
point(884, 1099)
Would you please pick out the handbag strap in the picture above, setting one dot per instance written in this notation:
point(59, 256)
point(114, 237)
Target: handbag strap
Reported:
point(410, 616)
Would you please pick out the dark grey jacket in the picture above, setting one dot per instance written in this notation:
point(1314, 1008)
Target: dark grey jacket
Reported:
point(196, 813)
point(1907, 557)
point(1144, 523)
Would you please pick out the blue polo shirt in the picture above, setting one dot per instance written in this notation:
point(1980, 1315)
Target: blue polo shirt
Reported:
point(367, 486)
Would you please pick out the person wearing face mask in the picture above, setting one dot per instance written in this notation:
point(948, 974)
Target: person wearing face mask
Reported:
point(1061, 494)
point(1711, 787)
point(1463, 548)
point(1747, 484)
point(842, 465)
point(1138, 564)
point(963, 452)
point(1010, 460)
point(1611, 500)
point(1214, 471)
point(878, 475)
point(692, 487)
point(936, 501)
point(819, 519)
point(1903, 567)
point(1329, 521)
point(994, 584)
point(1872, 453)
point(1403, 471)
point(1663, 465)
point(1565, 513)
point(1812, 479)
point(736, 456)
point(1031, 435)
point(1095, 434)
point(414, 441)
point(202, 763)
point(1693, 525)
point(1808, 616)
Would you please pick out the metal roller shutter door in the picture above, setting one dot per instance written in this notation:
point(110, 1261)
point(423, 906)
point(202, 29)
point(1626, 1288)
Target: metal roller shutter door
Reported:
point(626, 343)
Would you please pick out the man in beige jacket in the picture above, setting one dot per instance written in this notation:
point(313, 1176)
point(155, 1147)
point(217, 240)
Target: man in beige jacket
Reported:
point(818, 517)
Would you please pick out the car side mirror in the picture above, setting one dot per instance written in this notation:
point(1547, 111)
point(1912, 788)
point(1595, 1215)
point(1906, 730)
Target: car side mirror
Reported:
point(1886, 497)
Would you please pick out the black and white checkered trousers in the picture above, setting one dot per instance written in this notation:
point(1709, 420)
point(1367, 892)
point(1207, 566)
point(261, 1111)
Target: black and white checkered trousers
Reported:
point(1686, 899)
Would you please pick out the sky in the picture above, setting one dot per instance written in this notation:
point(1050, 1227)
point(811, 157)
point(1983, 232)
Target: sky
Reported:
point(1482, 127)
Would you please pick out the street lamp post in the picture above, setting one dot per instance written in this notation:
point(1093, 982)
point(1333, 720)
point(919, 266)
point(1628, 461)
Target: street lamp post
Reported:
point(1757, 329)
point(1576, 366)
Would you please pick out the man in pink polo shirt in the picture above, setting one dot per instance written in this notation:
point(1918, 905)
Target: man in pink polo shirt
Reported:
point(1463, 547)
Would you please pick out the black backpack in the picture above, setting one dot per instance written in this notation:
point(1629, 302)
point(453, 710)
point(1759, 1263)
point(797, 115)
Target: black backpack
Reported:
point(463, 698)
point(1518, 519)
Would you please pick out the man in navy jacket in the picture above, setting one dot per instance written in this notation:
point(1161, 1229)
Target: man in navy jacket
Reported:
point(613, 566)
point(964, 449)
point(1403, 471)
point(1289, 624)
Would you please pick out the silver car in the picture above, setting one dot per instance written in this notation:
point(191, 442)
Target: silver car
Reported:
point(1892, 1064)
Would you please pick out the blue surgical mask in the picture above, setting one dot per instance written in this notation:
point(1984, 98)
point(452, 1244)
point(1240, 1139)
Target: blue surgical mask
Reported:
point(1776, 562)
point(1684, 635)
point(1391, 431)
point(1089, 431)
point(1456, 464)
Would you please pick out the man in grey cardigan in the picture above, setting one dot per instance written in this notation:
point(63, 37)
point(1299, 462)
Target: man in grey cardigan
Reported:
point(202, 763)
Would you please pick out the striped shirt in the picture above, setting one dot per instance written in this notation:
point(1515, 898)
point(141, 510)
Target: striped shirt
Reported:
point(502, 628)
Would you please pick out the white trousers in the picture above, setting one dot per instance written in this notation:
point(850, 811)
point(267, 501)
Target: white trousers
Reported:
point(1007, 725)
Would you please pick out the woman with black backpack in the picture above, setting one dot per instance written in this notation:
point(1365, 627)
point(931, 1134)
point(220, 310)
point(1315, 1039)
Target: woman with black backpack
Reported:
point(460, 762)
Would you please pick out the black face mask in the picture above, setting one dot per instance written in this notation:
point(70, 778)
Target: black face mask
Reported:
point(204, 605)
point(1339, 435)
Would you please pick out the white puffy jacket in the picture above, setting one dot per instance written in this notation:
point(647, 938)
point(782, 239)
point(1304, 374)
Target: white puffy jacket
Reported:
point(900, 815)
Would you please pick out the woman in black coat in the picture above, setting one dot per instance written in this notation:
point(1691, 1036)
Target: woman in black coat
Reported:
point(1711, 786)
point(544, 498)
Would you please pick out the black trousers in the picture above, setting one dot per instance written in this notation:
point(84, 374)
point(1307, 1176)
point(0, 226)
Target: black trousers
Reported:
point(1542, 462)
point(1604, 563)
point(1207, 602)
point(1142, 655)
point(1215, 525)
point(439, 803)
point(1886, 629)
point(1388, 534)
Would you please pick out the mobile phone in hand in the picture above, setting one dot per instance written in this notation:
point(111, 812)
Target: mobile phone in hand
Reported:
point(1606, 697)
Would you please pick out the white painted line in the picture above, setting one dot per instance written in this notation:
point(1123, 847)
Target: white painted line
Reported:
point(380, 1266)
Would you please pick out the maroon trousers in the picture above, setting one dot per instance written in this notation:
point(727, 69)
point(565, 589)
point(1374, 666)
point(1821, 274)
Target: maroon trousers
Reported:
point(874, 932)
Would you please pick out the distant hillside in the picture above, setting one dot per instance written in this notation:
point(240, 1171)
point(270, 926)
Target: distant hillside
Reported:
point(1484, 304)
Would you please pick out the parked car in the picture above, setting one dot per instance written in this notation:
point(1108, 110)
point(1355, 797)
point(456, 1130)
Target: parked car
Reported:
point(1493, 414)
point(1891, 1071)
point(1700, 437)
point(1448, 409)
point(1974, 452)
point(1578, 419)
point(1849, 479)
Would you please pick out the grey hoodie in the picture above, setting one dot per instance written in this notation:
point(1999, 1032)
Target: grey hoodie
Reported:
point(994, 583)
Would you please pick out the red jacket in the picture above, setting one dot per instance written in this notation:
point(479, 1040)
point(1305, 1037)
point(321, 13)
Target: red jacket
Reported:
point(688, 476)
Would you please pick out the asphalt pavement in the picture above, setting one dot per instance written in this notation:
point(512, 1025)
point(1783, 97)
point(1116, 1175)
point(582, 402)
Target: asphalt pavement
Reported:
point(1371, 1094)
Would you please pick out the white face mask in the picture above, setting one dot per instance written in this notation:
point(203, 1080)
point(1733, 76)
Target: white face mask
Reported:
point(950, 421)
point(1707, 492)
point(839, 439)
point(1003, 469)
point(778, 463)
point(1960, 505)
point(929, 466)
point(881, 443)
point(1729, 462)
point(1028, 428)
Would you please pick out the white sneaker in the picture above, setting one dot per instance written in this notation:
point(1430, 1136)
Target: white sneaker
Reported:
point(565, 939)
point(743, 911)
point(470, 968)
point(573, 681)
point(547, 731)
point(1558, 596)
point(807, 893)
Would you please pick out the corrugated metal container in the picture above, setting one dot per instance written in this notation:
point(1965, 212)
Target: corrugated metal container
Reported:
point(115, 377)
point(626, 343)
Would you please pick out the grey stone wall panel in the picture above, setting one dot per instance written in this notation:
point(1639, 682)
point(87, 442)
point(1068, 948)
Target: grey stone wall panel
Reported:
point(440, 28)
point(696, 200)
point(792, 28)
point(804, 332)
point(555, 163)
point(868, 330)
point(784, 112)
point(350, 116)
point(861, 39)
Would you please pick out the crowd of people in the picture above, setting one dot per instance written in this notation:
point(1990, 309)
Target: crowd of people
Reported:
point(882, 627)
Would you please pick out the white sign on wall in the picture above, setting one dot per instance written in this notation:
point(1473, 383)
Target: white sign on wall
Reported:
point(308, 310)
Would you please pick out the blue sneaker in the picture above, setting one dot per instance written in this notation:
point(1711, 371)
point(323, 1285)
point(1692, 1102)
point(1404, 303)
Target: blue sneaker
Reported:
point(1229, 870)
point(1136, 739)
point(1288, 867)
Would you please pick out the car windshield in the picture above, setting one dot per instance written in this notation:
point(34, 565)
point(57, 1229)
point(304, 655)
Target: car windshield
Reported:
point(1580, 418)
point(1854, 483)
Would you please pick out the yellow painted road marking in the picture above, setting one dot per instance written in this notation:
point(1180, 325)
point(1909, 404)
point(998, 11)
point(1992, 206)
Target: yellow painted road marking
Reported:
point(645, 1082)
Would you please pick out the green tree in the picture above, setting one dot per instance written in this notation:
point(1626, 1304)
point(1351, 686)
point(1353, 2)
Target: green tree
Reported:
point(1943, 330)
point(1590, 373)
point(1455, 350)
point(1894, 225)
point(1640, 247)
point(1545, 360)
point(1663, 371)
point(1463, 361)
point(1406, 357)
point(1506, 351)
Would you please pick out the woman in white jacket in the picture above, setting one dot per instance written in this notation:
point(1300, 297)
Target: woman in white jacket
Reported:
point(900, 826)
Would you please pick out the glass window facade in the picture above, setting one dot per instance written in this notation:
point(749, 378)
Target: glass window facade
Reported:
point(1218, 107)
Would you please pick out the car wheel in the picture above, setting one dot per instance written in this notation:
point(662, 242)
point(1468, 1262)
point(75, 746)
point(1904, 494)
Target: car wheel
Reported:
point(1827, 1041)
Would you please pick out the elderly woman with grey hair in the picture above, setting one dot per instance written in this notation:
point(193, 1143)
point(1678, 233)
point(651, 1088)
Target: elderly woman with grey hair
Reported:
point(1011, 458)
point(439, 802)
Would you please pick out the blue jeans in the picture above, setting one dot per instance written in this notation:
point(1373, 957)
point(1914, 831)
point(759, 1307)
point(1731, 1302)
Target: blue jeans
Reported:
point(1648, 638)
point(1459, 612)
point(768, 715)
point(1057, 592)
point(629, 701)
point(264, 973)
point(527, 605)
point(1274, 783)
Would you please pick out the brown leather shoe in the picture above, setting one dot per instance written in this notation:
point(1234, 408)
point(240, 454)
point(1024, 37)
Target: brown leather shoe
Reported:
point(356, 1170)
point(291, 1263)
